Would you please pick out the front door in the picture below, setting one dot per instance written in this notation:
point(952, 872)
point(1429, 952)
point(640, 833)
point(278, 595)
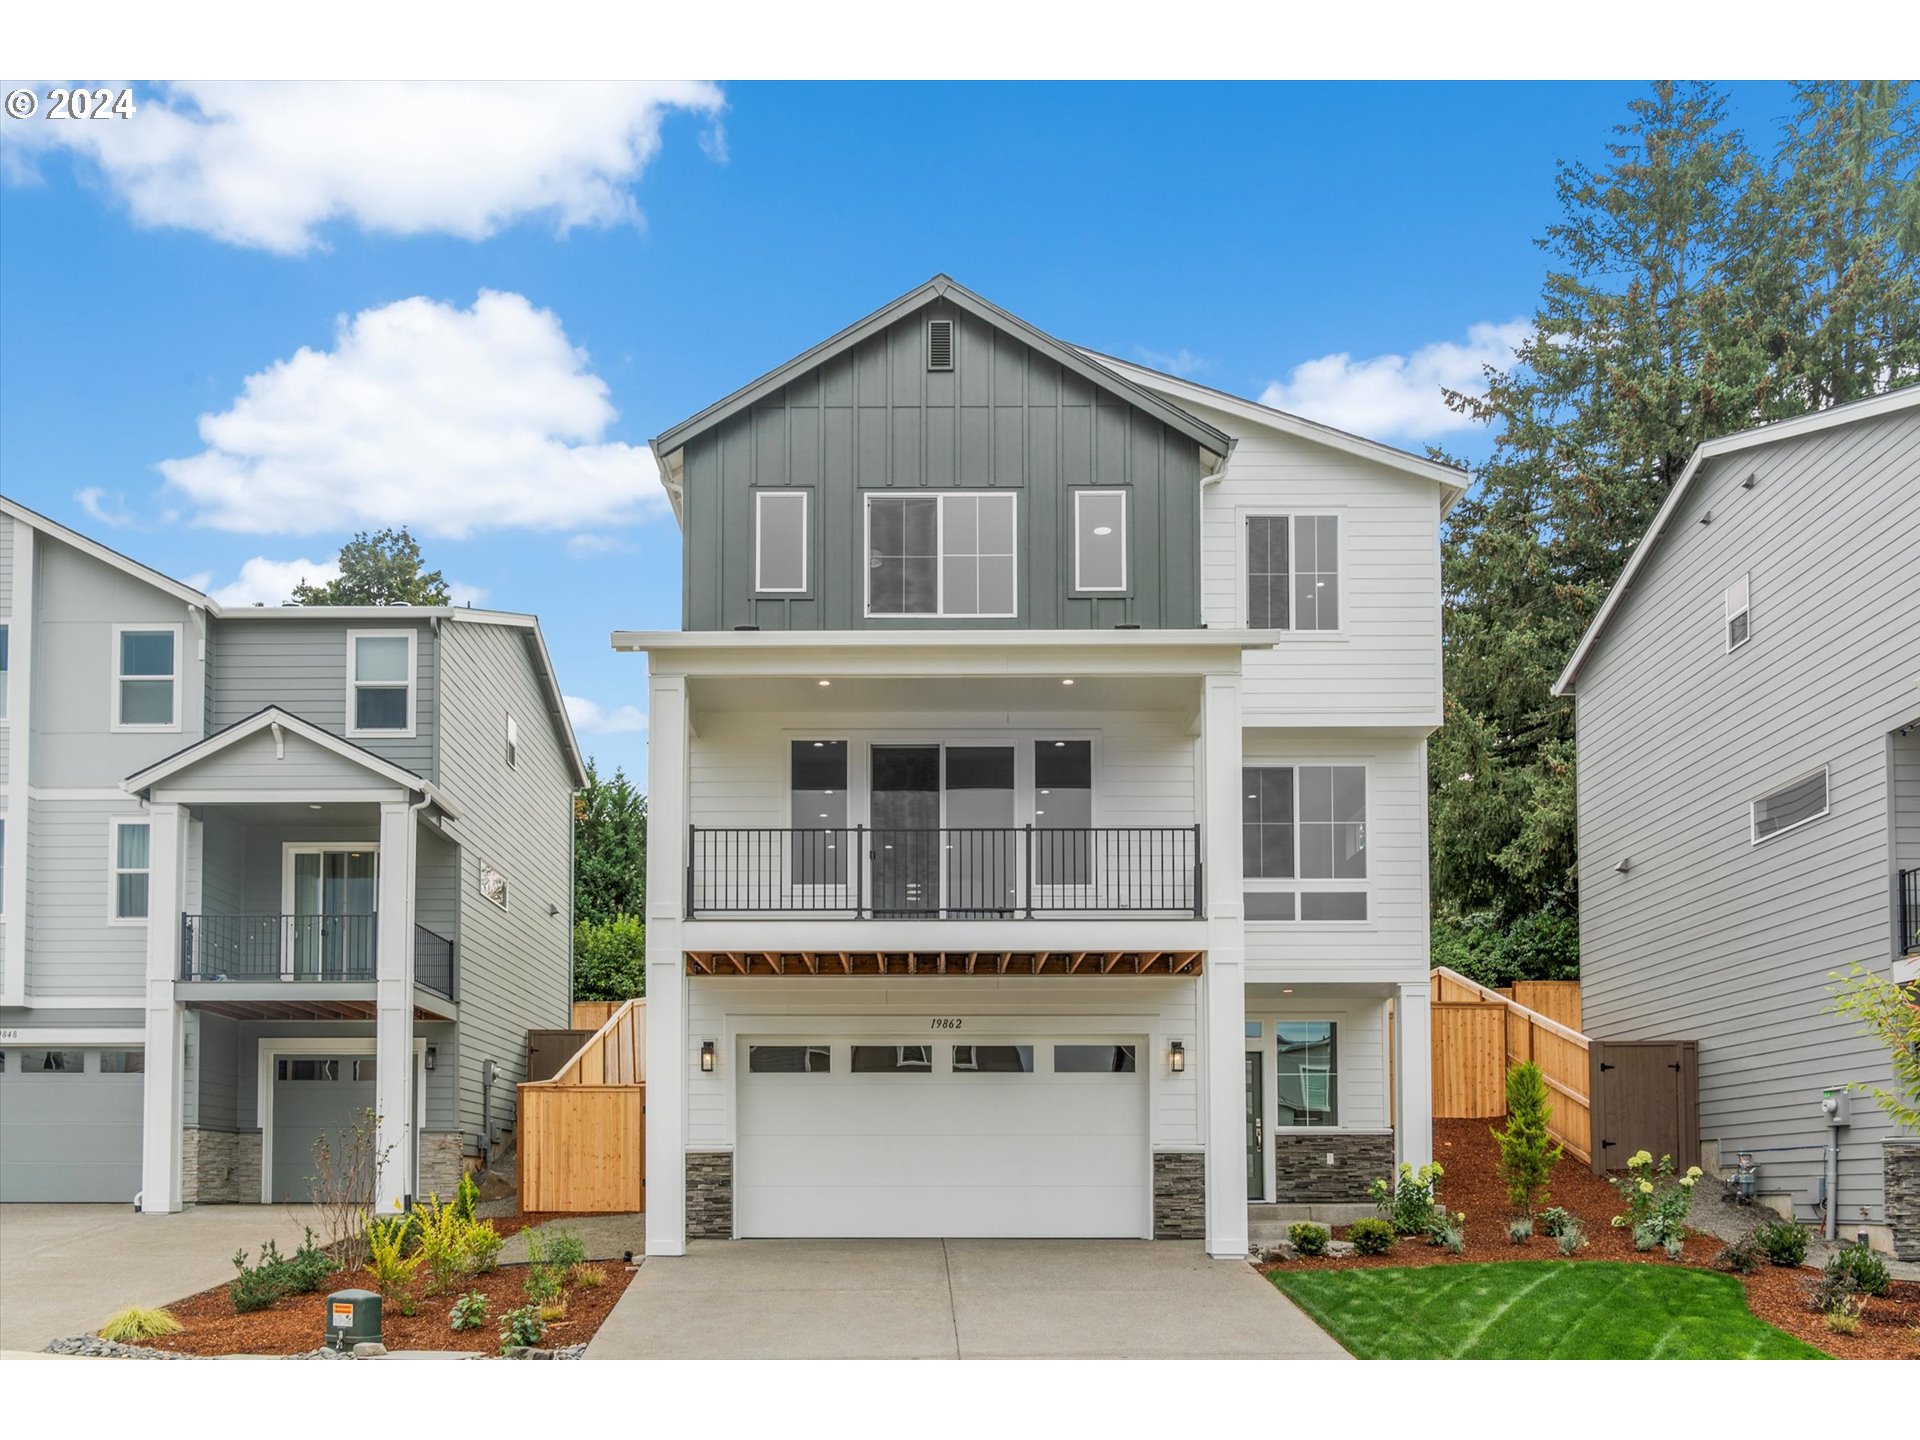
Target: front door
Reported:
point(1256, 1130)
point(906, 831)
point(332, 900)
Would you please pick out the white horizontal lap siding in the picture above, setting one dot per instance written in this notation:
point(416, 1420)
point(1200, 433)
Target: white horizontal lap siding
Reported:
point(1394, 943)
point(1384, 666)
point(1709, 936)
point(1360, 1051)
point(718, 1009)
point(71, 949)
point(1906, 801)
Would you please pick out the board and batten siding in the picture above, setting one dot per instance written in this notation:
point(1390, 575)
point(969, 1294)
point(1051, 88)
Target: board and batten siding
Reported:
point(1708, 936)
point(515, 965)
point(301, 666)
point(1383, 666)
point(874, 419)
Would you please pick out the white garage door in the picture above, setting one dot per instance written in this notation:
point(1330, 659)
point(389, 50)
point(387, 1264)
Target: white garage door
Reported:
point(1014, 1137)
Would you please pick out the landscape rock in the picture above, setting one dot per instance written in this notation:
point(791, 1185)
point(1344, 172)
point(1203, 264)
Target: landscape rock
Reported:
point(93, 1345)
point(368, 1350)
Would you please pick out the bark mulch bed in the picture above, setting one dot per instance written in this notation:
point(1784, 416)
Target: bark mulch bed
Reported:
point(298, 1323)
point(1467, 1153)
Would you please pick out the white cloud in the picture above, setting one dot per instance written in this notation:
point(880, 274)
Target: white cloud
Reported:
point(1396, 395)
point(267, 164)
point(590, 542)
point(463, 594)
point(101, 508)
point(590, 718)
point(270, 582)
point(444, 420)
point(1181, 362)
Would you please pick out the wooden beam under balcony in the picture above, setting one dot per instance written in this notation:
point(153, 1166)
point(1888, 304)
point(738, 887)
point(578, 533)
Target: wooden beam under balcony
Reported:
point(856, 963)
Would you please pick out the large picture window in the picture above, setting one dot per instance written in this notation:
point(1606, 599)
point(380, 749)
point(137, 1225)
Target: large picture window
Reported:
point(146, 677)
point(1304, 823)
point(1293, 572)
point(1306, 1087)
point(944, 555)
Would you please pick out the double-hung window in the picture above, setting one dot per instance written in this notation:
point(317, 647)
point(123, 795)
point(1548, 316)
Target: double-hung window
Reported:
point(949, 554)
point(146, 677)
point(780, 542)
point(381, 672)
point(1100, 541)
point(1738, 619)
point(129, 870)
point(1293, 572)
point(1303, 841)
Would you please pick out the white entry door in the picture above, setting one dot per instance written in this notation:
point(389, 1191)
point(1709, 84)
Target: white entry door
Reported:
point(883, 1137)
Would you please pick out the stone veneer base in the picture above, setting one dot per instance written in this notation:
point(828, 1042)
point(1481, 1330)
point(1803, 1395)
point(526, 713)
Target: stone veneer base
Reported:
point(442, 1163)
point(1901, 1158)
point(220, 1167)
point(1179, 1195)
point(1303, 1176)
point(710, 1196)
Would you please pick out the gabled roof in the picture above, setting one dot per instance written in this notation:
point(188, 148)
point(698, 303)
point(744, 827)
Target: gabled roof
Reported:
point(956, 294)
point(1851, 413)
point(93, 548)
point(276, 719)
point(1451, 478)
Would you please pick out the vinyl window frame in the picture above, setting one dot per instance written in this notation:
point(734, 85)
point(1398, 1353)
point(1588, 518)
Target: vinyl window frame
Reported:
point(1754, 837)
point(115, 824)
point(1080, 587)
point(1299, 885)
point(1243, 573)
point(940, 611)
point(116, 675)
point(6, 673)
point(1335, 1076)
point(784, 493)
point(512, 742)
point(1745, 612)
point(353, 729)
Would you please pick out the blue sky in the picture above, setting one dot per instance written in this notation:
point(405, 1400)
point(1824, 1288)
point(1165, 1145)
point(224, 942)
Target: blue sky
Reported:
point(1338, 249)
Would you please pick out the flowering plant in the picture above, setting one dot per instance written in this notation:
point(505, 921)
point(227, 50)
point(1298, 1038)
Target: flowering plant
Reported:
point(1409, 1205)
point(1657, 1201)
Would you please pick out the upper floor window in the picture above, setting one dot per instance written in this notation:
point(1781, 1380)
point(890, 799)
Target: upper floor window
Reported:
point(780, 542)
point(1100, 540)
point(381, 668)
point(131, 869)
point(1293, 572)
point(146, 677)
point(1805, 799)
point(3, 866)
point(941, 555)
point(513, 741)
point(1736, 611)
point(817, 810)
point(1305, 823)
point(3, 672)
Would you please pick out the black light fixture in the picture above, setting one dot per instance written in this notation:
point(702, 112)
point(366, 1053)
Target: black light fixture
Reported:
point(707, 1057)
point(1177, 1056)
point(433, 1056)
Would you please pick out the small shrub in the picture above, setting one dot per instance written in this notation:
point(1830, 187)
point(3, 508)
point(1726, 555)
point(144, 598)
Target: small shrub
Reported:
point(312, 1266)
point(483, 1244)
point(1741, 1257)
point(1520, 1230)
point(587, 1277)
point(1645, 1236)
point(259, 1285)
point(542, 1284)
point(1371, 1236)
point(555, 1310)
point(137, 1324)
point(467, 1196)
point(1657, 1201)
point(1842, 1322)
point(564, 1249)
point(522, 1327)
point(1865, 1270)
point(1408, 1203)
point(1527, 1152)
point(1675, 1246)
point(1571, 1238)
point(469, 1312)
point(1557, 1220)
point(1783, 1242)
point(1309, 1238)
point(392, 1268)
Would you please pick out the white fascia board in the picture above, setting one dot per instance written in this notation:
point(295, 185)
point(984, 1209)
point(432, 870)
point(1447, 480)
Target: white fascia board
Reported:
point(657, 641)
point(893, 653)
point(34, 520)
point(1852, 412)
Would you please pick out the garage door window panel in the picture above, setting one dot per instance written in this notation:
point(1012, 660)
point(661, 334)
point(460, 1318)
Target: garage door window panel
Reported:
point(993, 1059)
point(52, 1062)
point(1095, 1060)
point(789, 1059)
point(892, 1060)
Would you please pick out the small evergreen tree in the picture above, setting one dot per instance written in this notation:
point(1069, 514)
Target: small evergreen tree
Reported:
point(1527, 1152)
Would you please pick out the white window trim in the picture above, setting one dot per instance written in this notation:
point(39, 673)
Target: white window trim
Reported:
point(114, 677)
point(1125, 577)
point(290, 848)
point(940, 557)
point(1754, 837)
point(354, 637)
point(1299, 884)
point(513, 742)
point(760, 497)
point(1746, 609)
point(3, 867)
point(1243, 579)
point(6, 676)
point(505, 906)
point(1338, 1076)
point(114, 872)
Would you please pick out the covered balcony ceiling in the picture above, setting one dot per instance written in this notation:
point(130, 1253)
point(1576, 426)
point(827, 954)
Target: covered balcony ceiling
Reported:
point(983, 696)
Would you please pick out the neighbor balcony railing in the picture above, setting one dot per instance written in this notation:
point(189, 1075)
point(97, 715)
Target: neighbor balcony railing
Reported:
point(278, 947)
point(1910, 912)
point(1006, 873)
point(433, 962)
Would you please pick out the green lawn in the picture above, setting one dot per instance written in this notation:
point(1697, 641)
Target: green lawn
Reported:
point(1538, 1310)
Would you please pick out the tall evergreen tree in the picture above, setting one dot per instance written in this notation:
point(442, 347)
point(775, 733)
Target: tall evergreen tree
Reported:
point(609, 849)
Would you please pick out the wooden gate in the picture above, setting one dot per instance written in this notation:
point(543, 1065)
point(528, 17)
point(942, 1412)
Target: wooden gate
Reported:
point(1469, 1060)
point(583, 1133)
point(1646, 1096)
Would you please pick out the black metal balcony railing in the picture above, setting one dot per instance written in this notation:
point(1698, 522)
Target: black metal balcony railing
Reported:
point(1011, 873)
point(278, 947)
point(1910, 912)
point(433, 961)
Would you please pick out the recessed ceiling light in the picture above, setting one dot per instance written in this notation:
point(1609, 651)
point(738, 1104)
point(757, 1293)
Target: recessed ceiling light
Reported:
point(1103, 529)
point(313, 807)
point(818, 743)
point(1066, 682)
point(823, 682)
point(1286, 989)
point(1059, 744)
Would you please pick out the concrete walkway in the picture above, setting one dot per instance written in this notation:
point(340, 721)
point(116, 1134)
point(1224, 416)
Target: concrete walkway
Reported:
point(65, 1268)
point(953, 1299)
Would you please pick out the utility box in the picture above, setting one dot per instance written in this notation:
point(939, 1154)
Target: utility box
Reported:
point(1837, 1105)
point(353, 1317)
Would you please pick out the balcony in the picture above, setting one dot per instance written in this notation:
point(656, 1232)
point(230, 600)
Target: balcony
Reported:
point(303, 949)
point(1013, 873)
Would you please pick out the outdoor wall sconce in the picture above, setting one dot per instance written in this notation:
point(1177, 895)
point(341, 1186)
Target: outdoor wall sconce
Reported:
point(1177, 1056)
point(433, 1056)
point(706, 1057)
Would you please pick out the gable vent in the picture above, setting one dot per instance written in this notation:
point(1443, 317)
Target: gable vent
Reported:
point(939, 344)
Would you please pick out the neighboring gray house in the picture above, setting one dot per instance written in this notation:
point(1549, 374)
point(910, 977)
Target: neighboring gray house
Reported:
point(1748, 706)
point(263, 870)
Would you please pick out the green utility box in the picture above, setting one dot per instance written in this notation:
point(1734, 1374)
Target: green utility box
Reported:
point(352, 1316)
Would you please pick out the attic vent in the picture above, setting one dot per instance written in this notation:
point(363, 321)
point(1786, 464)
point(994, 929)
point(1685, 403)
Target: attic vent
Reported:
point(939, 344)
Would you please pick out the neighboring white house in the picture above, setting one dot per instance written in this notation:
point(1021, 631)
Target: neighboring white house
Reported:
point(1038, 826)
point(1748, 715)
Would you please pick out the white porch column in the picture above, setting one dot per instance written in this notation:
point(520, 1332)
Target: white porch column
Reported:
point(393, 1005)
point(667, 746)
point(1225, 981)
point(162, 1109)
point(1413, 1073)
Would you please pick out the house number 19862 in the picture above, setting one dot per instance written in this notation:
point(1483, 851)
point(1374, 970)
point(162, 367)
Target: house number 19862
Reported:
point(942, 1022)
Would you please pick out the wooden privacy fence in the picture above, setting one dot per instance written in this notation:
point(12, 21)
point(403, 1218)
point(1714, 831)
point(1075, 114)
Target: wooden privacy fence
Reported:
point(1478, 1033)
point(583, 1133)
point(1555, 999)
point(592, 1014)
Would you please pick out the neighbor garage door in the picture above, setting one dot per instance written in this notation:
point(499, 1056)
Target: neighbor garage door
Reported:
point(1017, 1137)
point(315, 1095)
point(70, 1124)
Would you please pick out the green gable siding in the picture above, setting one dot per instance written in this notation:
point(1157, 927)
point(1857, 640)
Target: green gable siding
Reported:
point(874, 418)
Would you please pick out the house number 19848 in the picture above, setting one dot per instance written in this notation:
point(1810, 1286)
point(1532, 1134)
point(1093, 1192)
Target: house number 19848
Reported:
point(942, 1022)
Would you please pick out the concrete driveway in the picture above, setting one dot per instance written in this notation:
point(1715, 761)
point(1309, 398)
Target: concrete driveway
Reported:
point(953, 1299)
point(65, 1268)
